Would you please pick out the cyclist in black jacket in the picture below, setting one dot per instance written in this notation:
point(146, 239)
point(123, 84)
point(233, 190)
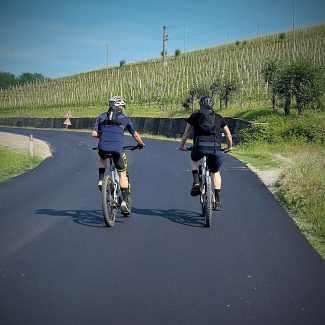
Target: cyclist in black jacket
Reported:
point(207, 126)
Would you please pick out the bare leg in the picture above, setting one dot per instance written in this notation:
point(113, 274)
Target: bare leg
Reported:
point(124, 189)
point(194, 165)
point(123, 179)
point(102, 163)
point(216, 179)
point(195, 172)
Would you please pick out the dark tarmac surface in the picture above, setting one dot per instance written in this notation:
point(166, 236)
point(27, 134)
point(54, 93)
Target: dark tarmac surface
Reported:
point(60, 264)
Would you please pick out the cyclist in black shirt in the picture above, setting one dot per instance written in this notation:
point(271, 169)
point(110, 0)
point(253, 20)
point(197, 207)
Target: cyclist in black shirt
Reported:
point(207, 126)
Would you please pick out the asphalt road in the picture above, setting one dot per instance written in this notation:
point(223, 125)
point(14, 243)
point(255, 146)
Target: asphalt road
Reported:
point(60, 264)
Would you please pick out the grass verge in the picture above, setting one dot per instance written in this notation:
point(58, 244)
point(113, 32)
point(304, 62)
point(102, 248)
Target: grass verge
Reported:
point(13, 164)
point(301, 187)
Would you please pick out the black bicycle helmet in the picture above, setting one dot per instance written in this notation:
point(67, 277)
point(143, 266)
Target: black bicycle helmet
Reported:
point(207, 101)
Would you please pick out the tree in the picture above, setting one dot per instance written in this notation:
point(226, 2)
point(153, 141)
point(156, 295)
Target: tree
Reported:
point(225, 88)
point(29, 77)
point(177, 53)
point(301, 80)
point(122, 62)
point(195, 93)
point(269, 72)
point(215, 86)
point(305, 88)
point(283, 86)
point(7, 80)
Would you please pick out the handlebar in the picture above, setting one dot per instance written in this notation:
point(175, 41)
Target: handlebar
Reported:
point(137, 147)
point(190, 149)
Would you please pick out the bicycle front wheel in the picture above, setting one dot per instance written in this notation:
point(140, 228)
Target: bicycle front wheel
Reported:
point(108, 204)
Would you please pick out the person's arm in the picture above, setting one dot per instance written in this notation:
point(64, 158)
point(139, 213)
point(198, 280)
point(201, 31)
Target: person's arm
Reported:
point(137, 138)
point(228, 138)
point(95, 131)
point(186, 135)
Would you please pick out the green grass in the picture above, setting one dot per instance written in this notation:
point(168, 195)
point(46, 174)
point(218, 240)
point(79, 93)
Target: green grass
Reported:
point(303, 188)
point(13, 164)
point(256, 154)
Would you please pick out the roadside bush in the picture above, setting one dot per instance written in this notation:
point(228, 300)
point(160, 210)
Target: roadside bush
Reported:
point(258, 132)
point(304, 132)
point(277, 128)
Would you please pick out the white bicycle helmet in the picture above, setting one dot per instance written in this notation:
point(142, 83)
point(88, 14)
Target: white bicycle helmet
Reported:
point(116, 101)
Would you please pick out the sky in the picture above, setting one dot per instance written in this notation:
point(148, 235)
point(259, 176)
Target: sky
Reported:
point(63, 37)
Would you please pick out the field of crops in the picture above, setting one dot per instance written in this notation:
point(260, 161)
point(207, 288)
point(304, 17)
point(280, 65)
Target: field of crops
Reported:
point(151, 84)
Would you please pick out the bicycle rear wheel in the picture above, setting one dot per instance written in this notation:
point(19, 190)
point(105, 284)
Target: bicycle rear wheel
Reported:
point(208, 203)
point(108, 204)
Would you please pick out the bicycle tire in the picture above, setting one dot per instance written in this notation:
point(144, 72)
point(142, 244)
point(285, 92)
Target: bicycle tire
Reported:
point(208, 203)
point(109, 211)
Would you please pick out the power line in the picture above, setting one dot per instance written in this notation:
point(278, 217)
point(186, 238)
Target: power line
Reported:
point(226, 25)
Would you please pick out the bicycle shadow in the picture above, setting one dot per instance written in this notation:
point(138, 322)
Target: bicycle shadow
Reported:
point(184, 217)
point(91, 218)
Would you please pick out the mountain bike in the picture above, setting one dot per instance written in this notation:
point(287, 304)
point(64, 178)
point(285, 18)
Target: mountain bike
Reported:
point(207, 198)
point(111, 192)
point(207, 195)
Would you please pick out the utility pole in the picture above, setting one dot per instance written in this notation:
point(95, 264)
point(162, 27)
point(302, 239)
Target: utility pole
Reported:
point(106, 61)
point(184, 39)
point(164, 45)
point(293, 27)
point(258, 29)
point(106, 56)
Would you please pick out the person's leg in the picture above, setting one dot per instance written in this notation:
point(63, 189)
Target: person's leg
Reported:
point(124, 189)
point(216, 180)
point(101, 168)
point(121, 164)
point(215, 161)
point(123, 179)
point(195, 157)
point(195, 170)
point(101, 171)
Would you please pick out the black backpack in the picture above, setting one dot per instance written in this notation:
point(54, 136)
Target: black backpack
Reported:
point(206, 122)
point(112, 115)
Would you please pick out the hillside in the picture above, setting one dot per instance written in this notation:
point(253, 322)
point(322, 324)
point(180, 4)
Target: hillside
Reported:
point(157, 88)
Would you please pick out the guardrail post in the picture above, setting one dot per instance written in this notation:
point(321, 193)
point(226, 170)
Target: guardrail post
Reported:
point(31, 146)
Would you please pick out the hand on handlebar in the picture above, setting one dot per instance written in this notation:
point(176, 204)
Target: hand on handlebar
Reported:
point(227, 149)
point(183, 148)
point(140, 146)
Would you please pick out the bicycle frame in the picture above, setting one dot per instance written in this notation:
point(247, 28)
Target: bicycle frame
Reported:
point(113, 174)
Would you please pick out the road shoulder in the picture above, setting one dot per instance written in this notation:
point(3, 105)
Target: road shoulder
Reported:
point(20, 144)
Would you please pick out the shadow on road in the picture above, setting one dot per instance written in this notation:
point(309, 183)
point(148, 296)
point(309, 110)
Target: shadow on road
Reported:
point(91, 218)
point(187, 218)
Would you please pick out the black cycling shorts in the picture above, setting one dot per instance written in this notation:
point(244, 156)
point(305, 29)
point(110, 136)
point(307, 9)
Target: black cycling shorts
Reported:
point(214, 159)
point(119, 158)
